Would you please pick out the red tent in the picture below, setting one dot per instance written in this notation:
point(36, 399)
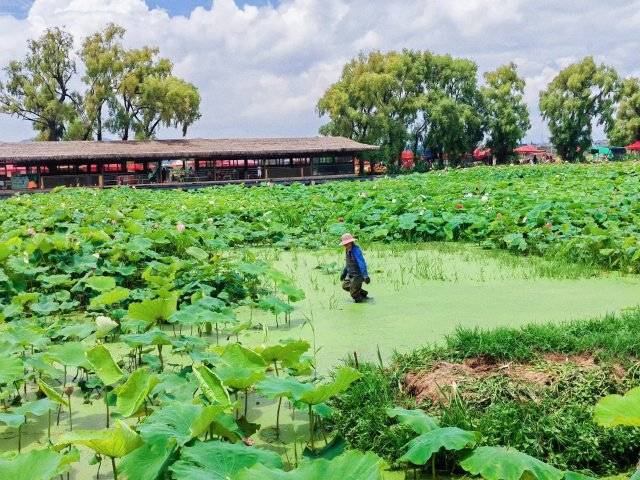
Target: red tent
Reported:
point(528, 150)
point(480, 154)
point(635, 146)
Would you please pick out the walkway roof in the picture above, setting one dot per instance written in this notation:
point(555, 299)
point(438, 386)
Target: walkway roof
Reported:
point(152, 150)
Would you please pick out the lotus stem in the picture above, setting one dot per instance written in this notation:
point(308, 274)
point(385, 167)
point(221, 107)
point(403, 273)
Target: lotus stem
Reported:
point(275, 365)
point(19, 438)
point(246, 402)
point(160, 358)
point(278, 418)
point(49, 427)
point(433, 466)
point(70, 416)
point(59, 410)
point(106, 402)
point(113, 466)
point(311, 426)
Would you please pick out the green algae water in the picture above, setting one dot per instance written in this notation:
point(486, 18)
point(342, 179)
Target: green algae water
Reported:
point(422, 293)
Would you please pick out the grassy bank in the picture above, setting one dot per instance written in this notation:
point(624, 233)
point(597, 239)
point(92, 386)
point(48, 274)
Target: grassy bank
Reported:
point(531, 388)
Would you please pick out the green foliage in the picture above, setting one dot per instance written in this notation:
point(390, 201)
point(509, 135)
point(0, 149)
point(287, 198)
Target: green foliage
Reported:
point(240, 368)
point(423, 447)
point(351, 465)
point(179, 422)
point(51, 393)
point(501, 463)
point(36, 465)
point(616, 410)
point(105, 367)
point(133, 393)
point(626, 125)
point(114, 442)
point(389, 99)
point(211, 386)
point(507, 115)
point(220, 461)
point(419, 421)
point(579, 95)
point(344, 377)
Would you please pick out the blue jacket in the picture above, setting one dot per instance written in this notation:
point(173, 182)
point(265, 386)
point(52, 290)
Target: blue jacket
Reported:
point(359, 259)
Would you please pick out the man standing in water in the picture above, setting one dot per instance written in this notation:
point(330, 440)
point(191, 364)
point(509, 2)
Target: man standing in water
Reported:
point(355, 270)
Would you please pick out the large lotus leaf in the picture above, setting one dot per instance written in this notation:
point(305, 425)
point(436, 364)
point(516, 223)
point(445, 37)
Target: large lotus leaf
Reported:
point(105, 367)
point(11, 369)
point(221, 461)
point(109, 297)
point(180, 421)
point(13, 420)
point(615, 410)
point(580, 476)
point(351, 465)
point(70, 354)
point(197, 253)
point(344, 377)
point(274, 387)
point(114, 442)
point(211, 386)
point(174, 387)
point(132, 394)
point(51, 394)
point(101, 284)
point(35, 465)
point(45, 306)
point(39, 363)
point(288, 352)
point(274, 305)
point(450, 438)
point(502, 463)
point(293, 294)
point(37, 408)
point(153, 311)
point(240, 367)
point(23, 336)
point(149, 461)
point(152, 337)
point(419, 421)
point(52, 281)
point(79, 331)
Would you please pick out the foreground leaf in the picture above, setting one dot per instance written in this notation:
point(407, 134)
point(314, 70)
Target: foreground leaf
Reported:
point(149, 461)
point(35, 465)
point(422, 448)
point(419, 421)
point(221, 460)
point(211, 386)
point(616, 410)
point(344, 377)
point(132, 393)
point(114, 442)
point(51, 393)
point(502, 463)
point(179, 421)
point(351, 465)
point(105, 367)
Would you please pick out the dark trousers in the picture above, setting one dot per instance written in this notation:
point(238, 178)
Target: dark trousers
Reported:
point(353, 285)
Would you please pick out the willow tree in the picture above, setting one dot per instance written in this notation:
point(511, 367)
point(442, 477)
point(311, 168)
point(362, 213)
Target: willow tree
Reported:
point(507, 115)
point(626, 125)
point(38, 88)
point(579, 96)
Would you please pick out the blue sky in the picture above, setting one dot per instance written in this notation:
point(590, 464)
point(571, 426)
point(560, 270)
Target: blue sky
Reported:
point(20, 8)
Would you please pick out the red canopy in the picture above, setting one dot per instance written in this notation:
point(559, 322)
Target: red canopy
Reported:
point(528, 149)
point(634, 146)
point(481, 153)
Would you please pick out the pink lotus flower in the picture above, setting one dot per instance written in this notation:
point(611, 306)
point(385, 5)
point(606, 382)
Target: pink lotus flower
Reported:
point(180, 227)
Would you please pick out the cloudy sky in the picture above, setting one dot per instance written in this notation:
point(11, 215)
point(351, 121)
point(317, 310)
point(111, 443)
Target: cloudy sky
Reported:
point(261, 65)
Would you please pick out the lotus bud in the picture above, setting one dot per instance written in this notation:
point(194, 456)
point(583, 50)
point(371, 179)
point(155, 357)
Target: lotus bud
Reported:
point(31, 231)
point(68, 391)
point(180, 227)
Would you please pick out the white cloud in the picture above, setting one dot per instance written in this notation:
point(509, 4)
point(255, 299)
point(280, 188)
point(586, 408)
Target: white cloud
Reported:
point(260, 70)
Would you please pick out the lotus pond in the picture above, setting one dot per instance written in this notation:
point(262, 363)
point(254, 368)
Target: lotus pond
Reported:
point(177, 335)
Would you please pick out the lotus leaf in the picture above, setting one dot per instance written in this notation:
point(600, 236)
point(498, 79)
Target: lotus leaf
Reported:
point(502, 463)
point(105, 367)
point(11, 369)
point(132, 393)
point(179, 421)
point(113, 442)
point(240, 367)
point(149, 461)
point(36, 465)
point(51, 394)
point(344, 377)
point(616, 410)
point(419, 421)
point(109, 297)
point(211, 386)
point(423, 447)
point(351, 465)
point(221, 461)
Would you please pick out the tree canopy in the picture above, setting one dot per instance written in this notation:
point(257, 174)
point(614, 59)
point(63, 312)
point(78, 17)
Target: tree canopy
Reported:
point(410, 97)
point(626, 125)
point(127, 91)
point(581, 94)
point(507, 115)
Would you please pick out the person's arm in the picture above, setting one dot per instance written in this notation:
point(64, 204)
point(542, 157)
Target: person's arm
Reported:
point(343, 275)
point(362, 265)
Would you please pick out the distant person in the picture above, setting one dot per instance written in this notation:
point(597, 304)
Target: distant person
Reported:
point(355, 270)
